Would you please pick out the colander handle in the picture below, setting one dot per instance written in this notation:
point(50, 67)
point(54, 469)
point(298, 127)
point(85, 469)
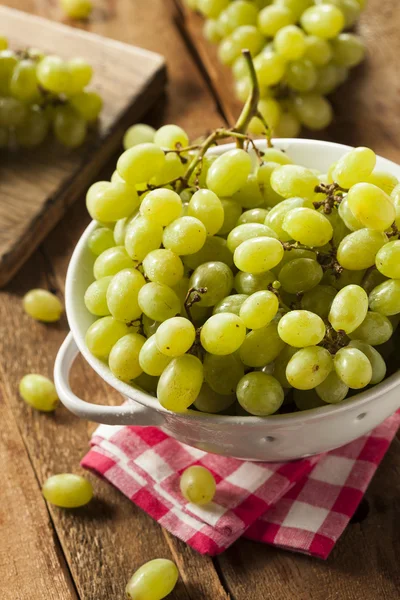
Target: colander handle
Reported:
point(129, 414)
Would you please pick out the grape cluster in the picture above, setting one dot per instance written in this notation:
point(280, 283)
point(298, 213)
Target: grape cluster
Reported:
point(42, 93)
point(239, 282)
point(301, 52)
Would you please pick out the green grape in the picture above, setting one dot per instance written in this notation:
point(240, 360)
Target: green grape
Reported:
point(12, 112)
point(162, 206)
point(153, 581)
point(239, 13)
point(230, 304)
point(247, 231)
point(254, 215)
point(211, 8)
point(33, 129)
point(327, 79)
point(163, 266)
point(119, 231)
point(249, 196)
point(264, 172)
point(69, 127)
point(339, 281)
point(80, 75)
point(171, 137)
point(276, 156)
point(377, 363)
point(53, 74)
point(42, 306)
point(348, 50)
point(8, 62)
point(277, 214)
point(270, 68)
point(103, 334)
point(350, 8)
point(142, 237)
point(319, 300)
point(384, 180)
point(371, 279)
point(353, 367)
point(358, 249)
point(240, 69)
point(197, 485)
point(96, 297)
point(388, 259)
point(318, 50)
point(259, 309)
point(111, 261)
point(307, 399)
point(371, 206)
point(309, 367)
point(140, 163)
point(140, 133)
point(385, 298)
point(261, 346)
point(280, 364)
point(301, 75)
point(67, 490)
point(273, 18)
point(222, 373)
point(180, 383)
point(185, 235)
point(23, 83)
point(122, 295)
point(296, 6)
point(314, 111)
point(288, 127)
point(258, 255)
point(300, 275)
point(250, 283)
point(88, 105)
point(215, 249)
point(228, 51)
point(158, 301)
point(290, 43)
point(376, 329)
point(3, 43)
point(293, 180)
point(175, 336)
point(124, 357)
point(242, 88)
point(216, 280)
point(325, 21)
point(307, 226)
point(332, 390)
point(229, 172)
point(259, 394)
point(207, 207)
point(349, 309)
point(211, 31)
point(249, 37)
point(222, 334)
point(106, 201)
point(77, 9)
point(293, 254)
point(271, 111)
point(211, 402)
point(232, 212)
point(354, 167)
point(151, 359)
point(149, 326)
point(39, 392)
point(300, 328)
point(347, 216)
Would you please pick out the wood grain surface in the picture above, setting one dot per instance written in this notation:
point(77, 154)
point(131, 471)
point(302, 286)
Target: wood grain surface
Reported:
point(98, 547)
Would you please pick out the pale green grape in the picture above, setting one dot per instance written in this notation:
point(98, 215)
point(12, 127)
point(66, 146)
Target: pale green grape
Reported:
point(175, 336)
point(242, 88)
point(339, 228)
point(42, 306)
point(96, 297)
point(276, 156)
point(347, 216)
point(53, 74)
point(69, 127)
point(318, 50)
point(140, 163)
point(207, 207)
point(23, 83)
point(273, 18)
point(327, 79)
point(12, 112)
point(371, 279)
point(376, 329)
point(238, 13)
point(8, 62)
point(259, 309)
point(3, 43)
point(307, 399)
point(293, 180)
point(249, 37)
point(211, 402)
point(388, 259)
point(185, 235)
point(261, 346)
point(122, 295)
point(288, 127)
point(33, 129)
point(230, 304)
point(222, 373)
point(88, 105)
point(300, 275)
point(211, 31)
point(301, 75)
point(313, 110)
point(77, 9)
point(106, 201)
point(80, 75)
point(319, 300)
point(349, 308)
point(354, 167)
point(293, 254)
point(163, 266)
point(172, 169)
point(385, 298)
point(300, 328)
point(384, 180)
point(229, 172)
point(325, 21)
point(215, 249)
point(247, 231)
point(232, 212)
point(103, 334)
point(222, 334)
point(151, 359)
point(180, 383)
point(197, 485)
point(111, 261)
point(359, 249)
point(348, 50)
point(280, 364)
point(264, 172)
point(296, 6)
point(142, 236)
point(228, 51)
point(152, 581)
point(259, 394)
point(377, 363)
point(270, 68)
point(140, 133)
point(162, 206)
point(119, 231)
point(158, 301)
point(271, 112)
point(250, 283)
point(350, 8)
point(249, 196)
point(211, 8)
point(277, 214)
point(254, 215)
point(309, 367)
point(332, 390)
point(371, 206)
point(258, 255)
point(67, 490)
point(353, 367)
point(307, 226)
point(124, 357)
point(149, 325)
point(290, 42)
point(171, 137)
point(39, 392)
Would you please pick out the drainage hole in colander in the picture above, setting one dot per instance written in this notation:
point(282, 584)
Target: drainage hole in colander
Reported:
point(361, 416)
point(269, 438)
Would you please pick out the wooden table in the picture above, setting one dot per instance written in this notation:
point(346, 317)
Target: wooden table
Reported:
point(51, 554)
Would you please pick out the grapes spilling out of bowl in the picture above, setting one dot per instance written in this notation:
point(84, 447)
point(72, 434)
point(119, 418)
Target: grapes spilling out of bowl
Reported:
point(42, 93)
point(302, 52)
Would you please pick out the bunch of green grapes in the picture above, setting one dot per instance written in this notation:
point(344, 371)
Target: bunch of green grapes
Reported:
point(302, 52)
point(42, 93)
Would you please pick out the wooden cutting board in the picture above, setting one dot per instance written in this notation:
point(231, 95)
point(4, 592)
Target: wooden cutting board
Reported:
point(37, 186)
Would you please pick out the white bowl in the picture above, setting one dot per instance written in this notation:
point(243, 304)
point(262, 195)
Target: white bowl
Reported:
point(274, 438)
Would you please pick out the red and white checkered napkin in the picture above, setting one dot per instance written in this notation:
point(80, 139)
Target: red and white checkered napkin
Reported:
point(303, 505)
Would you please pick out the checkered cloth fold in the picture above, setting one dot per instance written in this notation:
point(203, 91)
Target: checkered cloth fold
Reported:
point(302, 505)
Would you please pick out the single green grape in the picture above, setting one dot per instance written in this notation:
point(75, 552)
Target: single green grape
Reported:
point(42, 306)
point(23, 83)
point(353, 367)
point(207, 207)
point(270, 68)
point(249, 196)
point(307, 226)
point(161, 206)
point(371, 206)
point(211, 402)
point(96, 297)
point(313, 111)
point(103, 334)
point(347, 216)
point(228, 51)
point(354, 167)
point(88, 105)
point(77, 9)
point(385, 298)
point(290, 42)
point(319, 300)
point(197, 485)
point(349, 308)
point(292, 180)
point(80, 75)
point(158, 301)
point(172, 169)
point(229, 172)
point(277, 214)
point(318, 50)
point(309, 367)
point(100, 239)
point(222, 373)
point(348, 50)
point(171, 137)
point(258, 255)
point(39, 392)
point(215, 249)
point(249, 283)
point(371, 279)
point(151, 359)
point(300, 328)
point(124, 357)
point(300, 275)
point(211, 31)
point(180, 383)
point(230, 304)
point(216, 281)
point(359, 249)
point(8, 62)
point(12, 112)
point(249, 37)
point(376, 329)
point(280, 364)
point(301, 75)
point(142, 236)
point(240, 12)
point(140, 163)
point(3, 43)
point(261, 346)
point(140, 133)
point(297, 7)
point(232, 212)
point(259, 394)
point(325, 21)
point(254, 215)
point(271, 19)
point(247, 231)
point(222, 334)
point(69, 126)
point(388, 259)
point(328, 78)
point(123, 293)
point(175, 336)
point(67, 490)
point(33, 129)
point(350, 8)
point(53, 74)
point(109, 202)
point(384, 180)
point(259, 309)
point(153, 581)
point(332, 390)
point(185, 235)
point(163, 266)
point(377, 363)
point(289, 126)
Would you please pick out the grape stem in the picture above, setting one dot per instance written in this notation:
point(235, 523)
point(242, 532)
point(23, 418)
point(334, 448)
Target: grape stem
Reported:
point(193, 296)
point(334, 340)
point(332, 199)
point(250, 109)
